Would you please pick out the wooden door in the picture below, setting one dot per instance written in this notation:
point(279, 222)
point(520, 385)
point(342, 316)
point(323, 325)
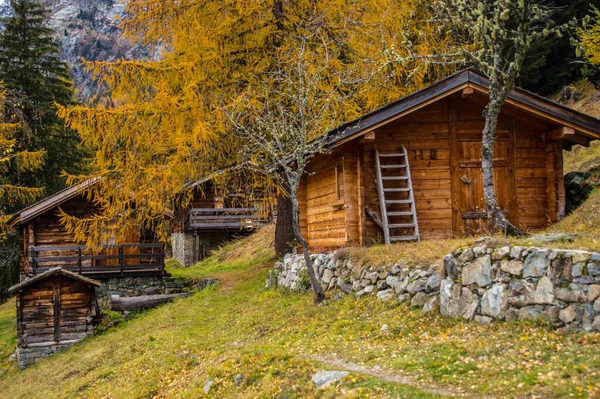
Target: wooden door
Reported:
point(472, 203)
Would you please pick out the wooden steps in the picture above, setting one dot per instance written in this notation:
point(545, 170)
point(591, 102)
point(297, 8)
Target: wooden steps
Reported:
point(396, 199)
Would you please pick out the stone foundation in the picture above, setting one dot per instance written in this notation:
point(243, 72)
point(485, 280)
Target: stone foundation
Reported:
point(28, 356)
point(483, 283)
point(134, 286)
point(184, 248)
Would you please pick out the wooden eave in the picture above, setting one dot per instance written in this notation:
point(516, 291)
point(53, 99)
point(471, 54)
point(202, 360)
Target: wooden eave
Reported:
point(50, 202)
point(51, 272)
point(468, 78)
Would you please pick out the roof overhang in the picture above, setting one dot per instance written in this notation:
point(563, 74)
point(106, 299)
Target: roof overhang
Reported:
point(51, 272)
point(51, 202)
point(522, 99)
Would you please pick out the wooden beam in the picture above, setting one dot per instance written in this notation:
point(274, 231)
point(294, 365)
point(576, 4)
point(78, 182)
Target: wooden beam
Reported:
point(370, 136)
point(467, 92)
point(453, 123)
point(56, 299)
point(511, 173)
point(579, 139)
point(563, 132)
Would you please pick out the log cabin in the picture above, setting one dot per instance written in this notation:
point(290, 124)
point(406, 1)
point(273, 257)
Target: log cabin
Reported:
point(44, 242)
point(212, 214)
point(411, 170)
point(55, 309)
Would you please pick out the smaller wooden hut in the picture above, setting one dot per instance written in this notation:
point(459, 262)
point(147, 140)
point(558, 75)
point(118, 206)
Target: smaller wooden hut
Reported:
point(55, 309)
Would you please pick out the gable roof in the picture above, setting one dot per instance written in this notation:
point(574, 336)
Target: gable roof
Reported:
point(51, 202)
point(530, 102)
point(51, 272)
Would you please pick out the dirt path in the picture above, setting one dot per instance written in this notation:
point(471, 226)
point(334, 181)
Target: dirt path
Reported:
point(387, 376)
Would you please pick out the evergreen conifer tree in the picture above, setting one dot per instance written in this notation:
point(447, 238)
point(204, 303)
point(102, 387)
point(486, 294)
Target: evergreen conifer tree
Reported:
point(36, 79)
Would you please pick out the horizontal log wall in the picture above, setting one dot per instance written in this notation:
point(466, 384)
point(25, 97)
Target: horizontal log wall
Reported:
point(324, 215)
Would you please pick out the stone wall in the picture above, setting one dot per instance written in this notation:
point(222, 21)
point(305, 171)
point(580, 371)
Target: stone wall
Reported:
point(184, 248)
point(483, 283)
point(29, 356)
point(136, 286)
point(520, 283)
point(417, 285)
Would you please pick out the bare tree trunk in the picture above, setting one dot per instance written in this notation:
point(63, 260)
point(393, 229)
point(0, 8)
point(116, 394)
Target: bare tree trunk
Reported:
point(284, 231)
point(319, 296)
point(498, 220)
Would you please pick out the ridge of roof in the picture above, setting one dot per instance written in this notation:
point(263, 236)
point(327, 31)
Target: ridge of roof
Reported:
point(50, 272)
point(50, 201)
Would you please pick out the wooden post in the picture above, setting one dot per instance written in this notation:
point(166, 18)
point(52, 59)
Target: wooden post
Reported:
point(56, 295)
point(511, 173)
point(79, 259)
point(120, 251)
point(455, 191)
point(32, 255)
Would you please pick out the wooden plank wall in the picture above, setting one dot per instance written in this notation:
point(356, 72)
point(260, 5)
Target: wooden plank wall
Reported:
point(325, 196)
point(555, 189)
point(425, 135)
point(532, 196)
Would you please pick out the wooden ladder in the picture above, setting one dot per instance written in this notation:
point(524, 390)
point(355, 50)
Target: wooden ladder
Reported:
point(398, 212)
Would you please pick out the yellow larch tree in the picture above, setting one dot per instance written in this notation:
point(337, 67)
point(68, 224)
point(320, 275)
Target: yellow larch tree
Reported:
point(165, 125)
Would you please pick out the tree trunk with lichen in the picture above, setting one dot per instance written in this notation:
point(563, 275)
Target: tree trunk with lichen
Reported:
point(319, 295)
point(497, 220)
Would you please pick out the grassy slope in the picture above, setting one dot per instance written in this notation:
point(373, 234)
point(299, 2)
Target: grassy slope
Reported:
point(582, 158)
point(273, 338)
point(8, 337)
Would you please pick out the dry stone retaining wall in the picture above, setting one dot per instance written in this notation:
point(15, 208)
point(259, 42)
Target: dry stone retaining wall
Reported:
point(510, 283)
point(482, 283)
point(419, 285)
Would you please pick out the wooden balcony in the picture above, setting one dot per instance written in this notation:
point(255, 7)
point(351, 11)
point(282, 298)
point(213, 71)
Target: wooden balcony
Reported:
point(225, 219)
point(124, 260)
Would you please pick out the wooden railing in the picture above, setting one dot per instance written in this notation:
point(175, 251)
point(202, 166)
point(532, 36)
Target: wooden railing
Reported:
point(112, 260)
point(225, 218)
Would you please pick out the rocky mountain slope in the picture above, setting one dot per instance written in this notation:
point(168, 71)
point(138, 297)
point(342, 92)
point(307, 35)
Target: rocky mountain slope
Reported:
point(87, 29)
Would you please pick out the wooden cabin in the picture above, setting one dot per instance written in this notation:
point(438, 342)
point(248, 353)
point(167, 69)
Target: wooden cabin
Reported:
point(45, 243)
point(214, 213)
point(412, 169)
point(55, 309)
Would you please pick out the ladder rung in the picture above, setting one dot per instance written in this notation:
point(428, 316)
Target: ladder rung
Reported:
point(404, 238)
point(398, 201)
point(396, 190)
point(401, 225)
point(400, 213)
point(391, 155)
point(393, 166)
point(394, 177)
